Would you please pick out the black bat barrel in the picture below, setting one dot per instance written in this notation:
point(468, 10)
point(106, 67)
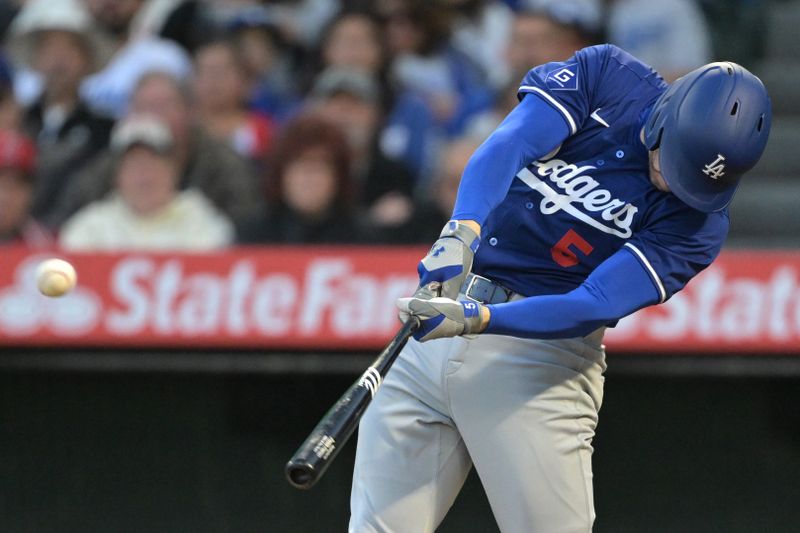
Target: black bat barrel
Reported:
point(318, 451)
point(329, 436)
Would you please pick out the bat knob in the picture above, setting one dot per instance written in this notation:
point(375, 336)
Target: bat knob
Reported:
point(300, 476)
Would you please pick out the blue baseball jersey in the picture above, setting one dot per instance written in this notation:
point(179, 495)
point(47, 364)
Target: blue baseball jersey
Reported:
point(570, 210)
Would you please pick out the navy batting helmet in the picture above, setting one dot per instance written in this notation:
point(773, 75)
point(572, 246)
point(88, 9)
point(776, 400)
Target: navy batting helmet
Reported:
point(710, 126)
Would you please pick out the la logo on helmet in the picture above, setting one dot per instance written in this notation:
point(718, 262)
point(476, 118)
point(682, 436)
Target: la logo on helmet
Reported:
point(715, 169)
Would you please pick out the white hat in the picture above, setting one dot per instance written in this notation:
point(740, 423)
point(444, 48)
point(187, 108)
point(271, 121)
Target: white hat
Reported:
point(63, 15)
point(146, 130)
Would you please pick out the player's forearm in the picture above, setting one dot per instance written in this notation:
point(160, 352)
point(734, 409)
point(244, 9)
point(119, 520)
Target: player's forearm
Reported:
point(617, 288)
point(529, 132)
point(574, 314)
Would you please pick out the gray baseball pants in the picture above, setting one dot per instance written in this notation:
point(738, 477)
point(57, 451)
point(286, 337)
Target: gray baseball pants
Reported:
point(522, 411)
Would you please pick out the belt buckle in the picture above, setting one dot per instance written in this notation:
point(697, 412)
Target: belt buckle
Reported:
point(474, 279)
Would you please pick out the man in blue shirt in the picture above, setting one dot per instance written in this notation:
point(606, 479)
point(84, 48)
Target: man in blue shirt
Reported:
point(604, 191)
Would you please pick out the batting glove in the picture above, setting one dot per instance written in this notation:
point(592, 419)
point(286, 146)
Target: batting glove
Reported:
point(442, 317)
point(442, 272)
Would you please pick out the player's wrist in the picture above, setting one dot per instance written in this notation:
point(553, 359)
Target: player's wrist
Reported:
point(468, 232)
point(473, 225)
point(476, 317)
point(486, 315)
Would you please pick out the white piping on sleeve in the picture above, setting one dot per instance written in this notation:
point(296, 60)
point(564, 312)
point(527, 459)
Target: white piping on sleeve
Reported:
point(573, 128)
point(662, 293)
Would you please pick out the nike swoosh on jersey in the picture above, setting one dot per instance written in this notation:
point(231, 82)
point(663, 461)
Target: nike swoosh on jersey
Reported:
point(598, 118)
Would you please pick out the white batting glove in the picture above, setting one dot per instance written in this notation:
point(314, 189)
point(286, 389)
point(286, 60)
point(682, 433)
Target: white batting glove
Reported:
point(442, 272)
point(442, 317)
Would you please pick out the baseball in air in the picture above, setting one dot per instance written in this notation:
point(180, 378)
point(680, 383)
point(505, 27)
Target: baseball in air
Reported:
point(55, 277)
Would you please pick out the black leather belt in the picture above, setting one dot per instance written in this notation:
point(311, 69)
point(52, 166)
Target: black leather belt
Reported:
point(486, 291)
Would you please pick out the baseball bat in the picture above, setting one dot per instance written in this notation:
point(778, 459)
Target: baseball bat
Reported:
point(317, 452)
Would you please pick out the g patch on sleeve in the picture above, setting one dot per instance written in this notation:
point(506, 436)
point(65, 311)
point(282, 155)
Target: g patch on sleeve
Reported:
point(563, 78)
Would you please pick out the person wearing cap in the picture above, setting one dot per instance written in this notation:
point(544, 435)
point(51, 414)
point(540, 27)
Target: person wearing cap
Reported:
point(135, 52)
point(56, 39)
point(356, 39)
point(204, 163)
point(17, 177)
point(351, 99)
point(146, 210)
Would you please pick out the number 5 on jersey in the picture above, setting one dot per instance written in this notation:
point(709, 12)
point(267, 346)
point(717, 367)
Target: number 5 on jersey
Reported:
point(563, 255)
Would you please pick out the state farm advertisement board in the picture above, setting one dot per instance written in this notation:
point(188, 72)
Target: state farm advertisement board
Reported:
point(249, 298)
point(343, 299)
point(746, 301)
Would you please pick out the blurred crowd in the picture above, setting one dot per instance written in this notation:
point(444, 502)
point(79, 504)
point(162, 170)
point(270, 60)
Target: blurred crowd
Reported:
point(189, 124)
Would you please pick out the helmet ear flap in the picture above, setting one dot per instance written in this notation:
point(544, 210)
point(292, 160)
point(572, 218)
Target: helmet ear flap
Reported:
point(655, 140)
point(654, 126)
point(653, 130)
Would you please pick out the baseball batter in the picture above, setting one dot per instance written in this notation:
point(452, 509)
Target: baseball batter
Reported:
point(604, 191)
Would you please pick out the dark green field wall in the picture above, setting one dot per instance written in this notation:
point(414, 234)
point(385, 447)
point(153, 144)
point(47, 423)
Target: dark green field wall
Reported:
point(103, 452)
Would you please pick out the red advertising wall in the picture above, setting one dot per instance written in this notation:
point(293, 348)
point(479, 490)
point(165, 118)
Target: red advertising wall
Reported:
point(343, 299)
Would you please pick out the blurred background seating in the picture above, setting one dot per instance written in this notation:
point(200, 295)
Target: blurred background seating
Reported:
point(764, 212)
point(401, 78)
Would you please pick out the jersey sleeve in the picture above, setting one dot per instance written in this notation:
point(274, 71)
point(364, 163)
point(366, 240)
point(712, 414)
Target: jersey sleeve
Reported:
point(677, 246)
point(590, 79)
point(531, 130)
point(568, 86)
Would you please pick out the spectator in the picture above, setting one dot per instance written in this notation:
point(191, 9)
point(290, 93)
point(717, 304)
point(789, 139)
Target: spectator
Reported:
point(56, 40)
point(220, 93)
point(482, 30)
point(17, 162)
point(544, 31)
point(10, 112)
point(351, 100)
point(425, 63)
point(109, 90)
point(435, 206)
point(481, 125)
point(299, 22)
point(203, 163)
point(551, 30)
point(268, 61)
point(356, 40)
point(670, 35)
point(309, 188)
point(146, 210)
